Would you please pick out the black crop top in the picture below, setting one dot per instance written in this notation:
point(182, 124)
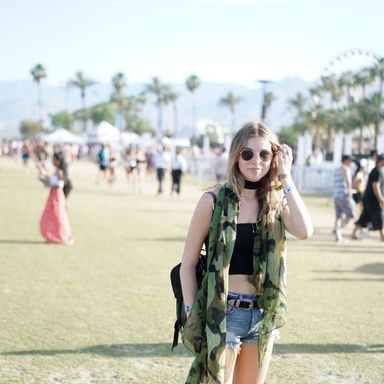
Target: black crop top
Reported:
point(242, 257)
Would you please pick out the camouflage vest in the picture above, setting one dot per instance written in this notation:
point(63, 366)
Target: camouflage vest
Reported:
point(205, 331)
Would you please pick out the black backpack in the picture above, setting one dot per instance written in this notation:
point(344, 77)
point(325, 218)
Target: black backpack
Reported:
point(201, 268)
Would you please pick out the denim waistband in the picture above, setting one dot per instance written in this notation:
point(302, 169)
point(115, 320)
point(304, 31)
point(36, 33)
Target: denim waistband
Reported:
point(241, 296)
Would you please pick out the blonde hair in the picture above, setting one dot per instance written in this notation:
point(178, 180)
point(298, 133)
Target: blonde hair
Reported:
point(270, 182)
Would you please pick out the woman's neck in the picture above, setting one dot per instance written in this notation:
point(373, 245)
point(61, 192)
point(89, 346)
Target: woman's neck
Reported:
point(248, 194)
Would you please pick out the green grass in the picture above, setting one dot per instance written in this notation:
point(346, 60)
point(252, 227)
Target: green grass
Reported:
point(102, 311)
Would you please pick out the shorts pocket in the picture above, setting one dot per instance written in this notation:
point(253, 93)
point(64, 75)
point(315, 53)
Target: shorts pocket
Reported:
point(229, 309)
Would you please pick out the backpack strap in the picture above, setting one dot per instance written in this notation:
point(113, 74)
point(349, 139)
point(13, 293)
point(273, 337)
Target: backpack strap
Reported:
point(213, 196)
point(179, 304)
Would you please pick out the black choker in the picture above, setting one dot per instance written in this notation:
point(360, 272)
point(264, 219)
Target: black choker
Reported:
point(252, 184)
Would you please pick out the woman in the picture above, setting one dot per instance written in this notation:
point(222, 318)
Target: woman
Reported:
point(132, 168)
point(54, 224)
point(359, 181)
point(242, 298)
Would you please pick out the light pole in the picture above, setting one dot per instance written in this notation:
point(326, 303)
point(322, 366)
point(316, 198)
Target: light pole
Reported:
point(264, 91)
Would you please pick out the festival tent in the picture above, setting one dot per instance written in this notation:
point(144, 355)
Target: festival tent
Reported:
point(183, 142)
point(129, 138)
point(104, 133)
point(62, 136)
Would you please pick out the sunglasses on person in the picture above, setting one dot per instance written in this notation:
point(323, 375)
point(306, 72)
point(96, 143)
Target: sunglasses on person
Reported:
point(247, 154)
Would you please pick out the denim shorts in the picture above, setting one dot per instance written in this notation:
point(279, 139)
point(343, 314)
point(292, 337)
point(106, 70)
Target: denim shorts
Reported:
point(242, 324)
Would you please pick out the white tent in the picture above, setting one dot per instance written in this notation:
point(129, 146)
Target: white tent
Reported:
point(104, 133)
point(128, 138)
point(183, 142)
point(62, 136)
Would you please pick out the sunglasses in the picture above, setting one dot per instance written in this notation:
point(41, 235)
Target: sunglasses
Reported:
point(247, 154)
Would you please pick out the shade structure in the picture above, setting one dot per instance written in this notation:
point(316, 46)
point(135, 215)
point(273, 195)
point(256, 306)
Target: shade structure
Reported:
point(62, 136)
point(104, 133)
point(129, 138)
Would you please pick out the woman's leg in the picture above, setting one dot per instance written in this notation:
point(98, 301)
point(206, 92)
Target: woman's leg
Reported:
point(247, 369)
point(230, 360)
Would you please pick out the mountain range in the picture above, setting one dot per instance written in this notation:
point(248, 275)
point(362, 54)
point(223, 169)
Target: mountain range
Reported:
point(18, 101)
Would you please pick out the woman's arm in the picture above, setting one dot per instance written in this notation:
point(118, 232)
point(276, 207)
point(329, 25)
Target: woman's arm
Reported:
point(197, 232)
point(296, 217)
point(377, 192)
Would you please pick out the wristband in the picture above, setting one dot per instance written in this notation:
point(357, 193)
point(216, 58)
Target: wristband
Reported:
point(187, 308)
point(288, 189)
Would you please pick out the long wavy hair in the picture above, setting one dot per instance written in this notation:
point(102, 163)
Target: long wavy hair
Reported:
point(269, 184)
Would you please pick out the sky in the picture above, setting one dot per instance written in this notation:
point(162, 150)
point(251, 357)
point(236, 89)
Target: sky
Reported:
point(231, 41)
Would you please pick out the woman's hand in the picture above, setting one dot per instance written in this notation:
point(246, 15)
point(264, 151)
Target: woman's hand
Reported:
point(284, 160)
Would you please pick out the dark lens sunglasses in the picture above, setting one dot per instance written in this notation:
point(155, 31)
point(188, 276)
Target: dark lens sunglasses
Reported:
point(247, 154)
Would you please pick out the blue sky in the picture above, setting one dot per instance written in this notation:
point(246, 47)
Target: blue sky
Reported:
point(235, 41)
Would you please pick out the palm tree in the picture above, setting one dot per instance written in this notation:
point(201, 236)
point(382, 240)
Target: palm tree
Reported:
point(347, 81)
point(81, 82)
point(269, 98)
point(38, 73)
point(192, 83)
point(378, 73)
point(141, 100)
point(159, 90)
point(118, 83)
point(329, 85)
point(171, 97)
point(298, 103)
point(129, 109)
point(363, 78)
point(374, 114)
point(230, 101)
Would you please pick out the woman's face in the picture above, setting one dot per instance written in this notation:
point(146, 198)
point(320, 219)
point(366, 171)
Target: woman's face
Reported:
point(258, 166)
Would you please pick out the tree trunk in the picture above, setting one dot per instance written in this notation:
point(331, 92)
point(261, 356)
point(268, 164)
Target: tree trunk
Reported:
point(40, 104)
point(329, 140)
point(84, 111)
point(361, 140)
point(317, 139)
point(377, 132)
point(233, 128)
point(175, 119)
point(194, 118)
point(160, 128)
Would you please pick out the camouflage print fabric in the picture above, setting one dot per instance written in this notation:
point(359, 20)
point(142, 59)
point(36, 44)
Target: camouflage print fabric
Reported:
point(205, 331)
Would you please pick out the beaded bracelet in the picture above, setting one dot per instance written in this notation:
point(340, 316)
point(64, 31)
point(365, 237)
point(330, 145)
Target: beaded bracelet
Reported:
point(187, 308)
point(288, 189)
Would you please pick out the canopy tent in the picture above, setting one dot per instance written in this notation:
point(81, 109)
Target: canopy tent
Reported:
point(104, 133)
point(62, 136)
point(129, 138)
point(183, 142)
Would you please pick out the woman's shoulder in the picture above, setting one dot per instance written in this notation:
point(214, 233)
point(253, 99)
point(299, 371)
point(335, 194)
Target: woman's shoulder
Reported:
point(212, 194)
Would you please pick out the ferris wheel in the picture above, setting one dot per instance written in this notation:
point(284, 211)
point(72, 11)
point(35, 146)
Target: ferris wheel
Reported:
point(351, 59)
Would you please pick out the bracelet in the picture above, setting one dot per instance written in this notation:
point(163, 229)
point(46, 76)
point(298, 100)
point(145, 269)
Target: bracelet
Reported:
point(283, 176)
point(187, 308)
point(288, 189)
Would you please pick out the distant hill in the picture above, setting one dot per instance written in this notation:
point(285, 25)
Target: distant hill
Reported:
point(18, 102)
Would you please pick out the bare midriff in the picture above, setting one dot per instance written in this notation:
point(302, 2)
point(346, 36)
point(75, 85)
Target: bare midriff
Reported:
point(241, 284)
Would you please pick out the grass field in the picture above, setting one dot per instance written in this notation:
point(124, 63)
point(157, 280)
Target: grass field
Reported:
point(102, 311)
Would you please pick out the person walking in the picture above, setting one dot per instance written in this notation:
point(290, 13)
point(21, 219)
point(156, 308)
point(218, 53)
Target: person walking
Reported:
point(102, 159)
point(373, 202)
point(162, 164)
point(232, 318)
point(178, 168)
point(54, 223)
point(342, 196)
point(359, 181)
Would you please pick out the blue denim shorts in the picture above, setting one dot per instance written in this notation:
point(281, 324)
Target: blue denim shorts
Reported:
point(242, 324)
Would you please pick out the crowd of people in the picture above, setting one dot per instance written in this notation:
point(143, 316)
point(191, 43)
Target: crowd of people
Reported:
point(359, 194)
